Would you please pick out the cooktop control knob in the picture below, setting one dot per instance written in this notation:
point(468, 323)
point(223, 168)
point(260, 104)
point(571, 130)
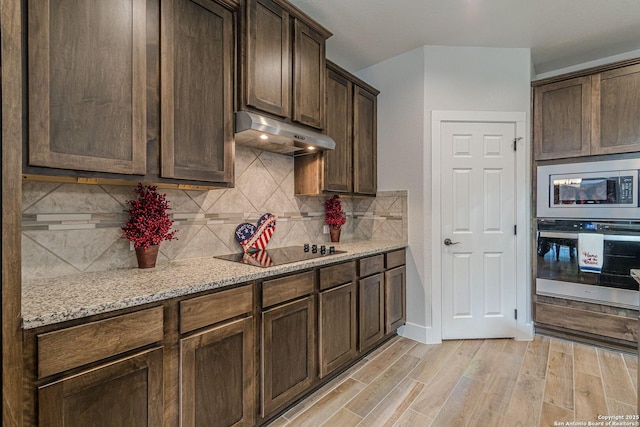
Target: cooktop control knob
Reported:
point(323, 249)
point(306, 247)
point(332, 249)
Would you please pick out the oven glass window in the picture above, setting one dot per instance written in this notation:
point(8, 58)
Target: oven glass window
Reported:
point(558, 260)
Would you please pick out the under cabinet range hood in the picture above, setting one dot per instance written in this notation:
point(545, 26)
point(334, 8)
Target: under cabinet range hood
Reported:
point(265, 133)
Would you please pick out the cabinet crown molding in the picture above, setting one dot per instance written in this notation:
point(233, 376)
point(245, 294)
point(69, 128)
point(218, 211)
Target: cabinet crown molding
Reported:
point(585, 72)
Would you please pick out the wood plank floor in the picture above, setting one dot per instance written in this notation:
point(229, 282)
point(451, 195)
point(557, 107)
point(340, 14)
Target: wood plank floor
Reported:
point(544, 382)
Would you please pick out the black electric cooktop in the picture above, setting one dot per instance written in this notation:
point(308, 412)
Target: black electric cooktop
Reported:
point(280, 256)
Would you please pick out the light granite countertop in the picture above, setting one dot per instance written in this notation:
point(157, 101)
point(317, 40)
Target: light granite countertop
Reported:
point(636, 275)
point(55, 300)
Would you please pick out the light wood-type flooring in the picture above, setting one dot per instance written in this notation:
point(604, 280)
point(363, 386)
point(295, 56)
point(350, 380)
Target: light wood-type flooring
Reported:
point(544, 382)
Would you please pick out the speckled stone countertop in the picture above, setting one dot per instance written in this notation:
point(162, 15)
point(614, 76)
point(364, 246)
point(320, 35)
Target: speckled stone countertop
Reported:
point(54, 300)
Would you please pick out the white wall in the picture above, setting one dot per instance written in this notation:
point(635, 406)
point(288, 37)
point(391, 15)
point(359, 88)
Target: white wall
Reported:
point(400, 158)
point(447, 78)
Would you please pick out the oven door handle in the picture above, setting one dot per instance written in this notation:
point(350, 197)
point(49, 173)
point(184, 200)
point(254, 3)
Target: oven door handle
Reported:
point(574, 236)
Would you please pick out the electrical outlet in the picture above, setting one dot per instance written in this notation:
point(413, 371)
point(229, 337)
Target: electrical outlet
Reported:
point(131, 247)
point(325, 229)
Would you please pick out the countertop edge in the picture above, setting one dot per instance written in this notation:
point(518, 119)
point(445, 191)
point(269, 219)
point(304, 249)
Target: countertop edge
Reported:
point(37, 311)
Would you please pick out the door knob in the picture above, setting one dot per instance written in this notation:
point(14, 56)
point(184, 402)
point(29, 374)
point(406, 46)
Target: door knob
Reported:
point(448, 242)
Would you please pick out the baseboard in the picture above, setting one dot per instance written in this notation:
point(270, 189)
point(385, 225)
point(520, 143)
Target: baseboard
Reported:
point(415, 332)
point(426, 335)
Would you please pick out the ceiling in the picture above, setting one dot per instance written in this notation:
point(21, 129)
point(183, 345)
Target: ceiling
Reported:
point(560, 33)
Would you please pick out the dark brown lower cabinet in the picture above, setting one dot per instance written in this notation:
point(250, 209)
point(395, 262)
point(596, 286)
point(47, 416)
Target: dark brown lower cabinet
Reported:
point(194, 360)
point(133, 385)
point(288, 353)
point(338, 327)
point(395, 305)
point(371, 310)
point(217, 376)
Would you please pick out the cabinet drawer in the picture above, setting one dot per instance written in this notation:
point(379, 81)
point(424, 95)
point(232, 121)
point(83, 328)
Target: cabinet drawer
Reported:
point(206, 310)
point(337, 275)
point(396, 258)
point(371, 265)
point(79, 345)
point(607, 325)
point(287, 288)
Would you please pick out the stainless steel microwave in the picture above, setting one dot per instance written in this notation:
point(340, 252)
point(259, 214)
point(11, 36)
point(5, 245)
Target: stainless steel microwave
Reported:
point(595, 190)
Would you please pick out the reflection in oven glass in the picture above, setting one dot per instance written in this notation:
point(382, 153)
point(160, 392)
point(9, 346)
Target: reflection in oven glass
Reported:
point(557, 260)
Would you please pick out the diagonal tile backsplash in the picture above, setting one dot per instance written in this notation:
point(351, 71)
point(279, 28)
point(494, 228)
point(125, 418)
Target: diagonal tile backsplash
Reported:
point(71, 228)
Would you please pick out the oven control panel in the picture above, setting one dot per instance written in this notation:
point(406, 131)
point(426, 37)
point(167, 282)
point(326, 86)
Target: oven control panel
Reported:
point(626, 190)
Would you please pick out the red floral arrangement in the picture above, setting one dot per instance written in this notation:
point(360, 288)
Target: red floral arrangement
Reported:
point(148, 222)
point(334, 216)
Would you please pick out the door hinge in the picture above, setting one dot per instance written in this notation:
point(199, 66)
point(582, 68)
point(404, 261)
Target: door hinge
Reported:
point(515, 229)
point(515, 313)
point(515, 143)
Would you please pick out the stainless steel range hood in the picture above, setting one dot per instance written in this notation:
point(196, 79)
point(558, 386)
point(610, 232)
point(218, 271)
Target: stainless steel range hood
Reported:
point(273, 135)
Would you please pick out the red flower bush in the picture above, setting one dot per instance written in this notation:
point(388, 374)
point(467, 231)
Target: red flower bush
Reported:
point(148, 222)
point(334, 216)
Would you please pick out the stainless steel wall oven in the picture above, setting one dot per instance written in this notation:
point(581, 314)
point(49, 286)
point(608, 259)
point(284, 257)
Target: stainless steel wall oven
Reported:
point(558, 272)
point(597, 198)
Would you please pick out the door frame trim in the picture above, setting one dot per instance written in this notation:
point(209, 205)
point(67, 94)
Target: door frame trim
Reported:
point(524, 323)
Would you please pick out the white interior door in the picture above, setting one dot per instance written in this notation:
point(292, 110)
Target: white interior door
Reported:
point(478, 216)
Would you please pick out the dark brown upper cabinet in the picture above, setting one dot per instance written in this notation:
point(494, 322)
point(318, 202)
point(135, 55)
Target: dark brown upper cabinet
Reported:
point(615, 111)
point(351, 121)
point(365, 169)
point(338, 171)
point(87, 85)
point(283, 64)
point(197, 51)
point(268, 59)
point(308, 75)
point(131, 90)
point(590, 112)
point(562, 117)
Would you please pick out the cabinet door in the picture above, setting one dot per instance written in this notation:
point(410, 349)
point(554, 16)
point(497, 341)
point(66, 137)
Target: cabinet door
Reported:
point(309, 76)
point(197, 90)
point(616, 109)
point(217, 376)
point(365, 162)
point(338, 169)
point(337, 327)
point(127, 392)
point(395, 284)
point(268, 58)
point(371, 311)
point(288, 353)
point(562, 119)
point(87, 85)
